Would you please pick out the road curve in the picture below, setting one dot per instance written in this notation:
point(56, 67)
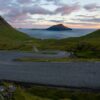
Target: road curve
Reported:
point(73, 74)
point(10, 55)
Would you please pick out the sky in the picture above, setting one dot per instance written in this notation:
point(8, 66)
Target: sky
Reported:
point(45, 13)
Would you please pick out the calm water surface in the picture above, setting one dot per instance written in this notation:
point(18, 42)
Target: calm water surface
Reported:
point(45, 34)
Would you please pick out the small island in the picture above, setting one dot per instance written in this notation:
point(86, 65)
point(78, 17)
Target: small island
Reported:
point(58, 27)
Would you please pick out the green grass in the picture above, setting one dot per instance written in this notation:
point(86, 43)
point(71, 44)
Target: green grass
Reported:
point(27, 59)
point(7, 31)
point(11, 39)
point(62, 94)
point(86, 46)
point(22, 94)
point(91, 39)
point(33, 92)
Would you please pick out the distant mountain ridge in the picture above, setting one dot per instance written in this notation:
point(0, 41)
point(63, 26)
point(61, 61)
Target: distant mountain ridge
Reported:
point(58, 27)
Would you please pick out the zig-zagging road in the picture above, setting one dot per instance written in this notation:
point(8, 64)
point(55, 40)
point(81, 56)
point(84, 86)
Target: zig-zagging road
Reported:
point(73, 74)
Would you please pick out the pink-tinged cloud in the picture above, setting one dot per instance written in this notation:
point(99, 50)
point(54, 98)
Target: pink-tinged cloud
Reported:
point(36, 10)
point(92, 7)
point(67, 9)
point(23, 13)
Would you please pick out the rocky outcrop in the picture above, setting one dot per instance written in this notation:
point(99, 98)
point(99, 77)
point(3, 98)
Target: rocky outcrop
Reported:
point(59, 27)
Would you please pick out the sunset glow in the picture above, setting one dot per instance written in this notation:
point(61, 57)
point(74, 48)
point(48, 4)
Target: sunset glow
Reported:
point(44, 13)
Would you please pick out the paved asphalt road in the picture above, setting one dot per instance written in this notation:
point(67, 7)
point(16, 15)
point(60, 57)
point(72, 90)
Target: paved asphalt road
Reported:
point(75, 74)
point(10, 55)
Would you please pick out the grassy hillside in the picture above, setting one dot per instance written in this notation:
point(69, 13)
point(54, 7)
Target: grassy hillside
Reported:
point(67, 44)
point(10, 38)
point(6, 32)
point(95, 34)
point(86, 46)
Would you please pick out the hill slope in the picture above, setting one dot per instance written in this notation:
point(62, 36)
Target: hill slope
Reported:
point(86, 46)
point(6, 31)
point(10, 38)
point(95, 34)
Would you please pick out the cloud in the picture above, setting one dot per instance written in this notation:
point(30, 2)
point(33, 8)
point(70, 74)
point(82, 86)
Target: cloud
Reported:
point(24, 1)
point(67, 9)
point(87, 19)
point(90, 18)
point(92, 7)
point(15, 9)
point(86, 16)
point(17, 12)
point(36, 10)
point(23, 17)
point(31, 11)
point(80, 23)
point(96, 20)
point(56, 21)
point(55, 2)
point(4, 5)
